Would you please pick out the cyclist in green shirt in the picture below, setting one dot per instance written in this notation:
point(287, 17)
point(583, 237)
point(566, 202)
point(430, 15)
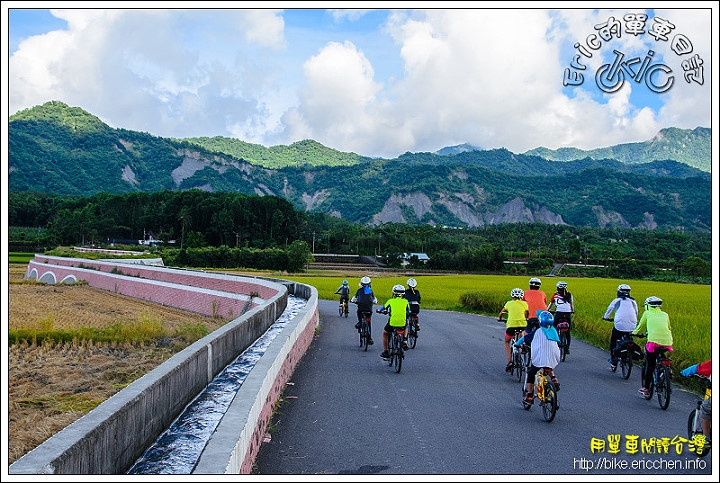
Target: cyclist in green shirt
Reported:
point(659, 335)
point(397, 307)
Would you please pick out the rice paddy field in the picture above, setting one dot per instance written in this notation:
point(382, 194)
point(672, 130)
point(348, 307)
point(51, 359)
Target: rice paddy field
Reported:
point(689, 306)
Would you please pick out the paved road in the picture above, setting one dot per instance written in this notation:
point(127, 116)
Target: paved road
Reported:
point(453, 410)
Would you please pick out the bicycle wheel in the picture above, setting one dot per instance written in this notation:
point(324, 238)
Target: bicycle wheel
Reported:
point(549, 401)
point(519, 366)
point(361, 333)
point(341, 310)
point(695, 429)
point(412, 335)
point(563, 345)
point(663, 387)
point(366, 336)
point(626, 364)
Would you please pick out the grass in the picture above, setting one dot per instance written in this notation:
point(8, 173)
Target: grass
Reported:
point(688, 305)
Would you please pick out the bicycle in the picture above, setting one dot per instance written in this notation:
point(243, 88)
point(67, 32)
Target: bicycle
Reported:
point(364, 330)
point(695, 432)
point(520, 357)
point(412, 334)
point(343, 309)
point(626, 353)
point(395, 346)
point(545, 392)
point(660, 382)
point(563, 330)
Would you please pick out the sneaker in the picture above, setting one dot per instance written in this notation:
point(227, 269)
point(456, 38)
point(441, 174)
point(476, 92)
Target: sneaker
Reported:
point(405, 346)
point(370, 342)
point(417, 327)
point(613, 364)
point(528, 399)
point(567, 350)
point(645, 393)
point(385, 355)
point(556, 382)
point(357, 326)
point(509, 367)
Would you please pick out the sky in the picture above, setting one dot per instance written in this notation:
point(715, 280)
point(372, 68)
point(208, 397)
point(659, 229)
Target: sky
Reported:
point(376, 82)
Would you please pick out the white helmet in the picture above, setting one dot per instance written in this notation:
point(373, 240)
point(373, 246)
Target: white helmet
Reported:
point(623, 290)
point(535, 282)
point(517, 293)
point(398, 290)
point(653, 301)
point(561, 284)
point(365, 281)
point(411, 282)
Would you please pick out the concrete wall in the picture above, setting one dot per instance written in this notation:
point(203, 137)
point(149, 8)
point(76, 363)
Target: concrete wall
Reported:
point(109, 439)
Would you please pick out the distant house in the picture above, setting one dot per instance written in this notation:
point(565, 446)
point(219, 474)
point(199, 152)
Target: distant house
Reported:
point(422, 257)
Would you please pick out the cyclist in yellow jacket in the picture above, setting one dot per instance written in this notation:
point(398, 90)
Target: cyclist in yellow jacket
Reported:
point(659, 335)
point(397, 307)
point(517, 315)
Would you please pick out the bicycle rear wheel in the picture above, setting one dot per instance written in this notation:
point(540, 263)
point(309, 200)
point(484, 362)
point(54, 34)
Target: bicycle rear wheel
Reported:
point(341, 310)
point(549, 402)
point(563, 345)
point(412, 335)
point(626, 364)
point(519, 366)
point(695, 429)
point(663, 387)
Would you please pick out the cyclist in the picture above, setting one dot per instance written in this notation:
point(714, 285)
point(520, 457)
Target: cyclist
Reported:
point(704, 369)
point(344, 291)
point(537, 302)
point(412, 295)
point(659, 336)
point(365, 299)
point(564, 308)
point(517, 314)
point(544, 350)
point(397, 307)
point(625, 320)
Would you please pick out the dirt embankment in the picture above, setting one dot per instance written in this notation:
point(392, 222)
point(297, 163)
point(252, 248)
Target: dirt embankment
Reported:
point(51, 385)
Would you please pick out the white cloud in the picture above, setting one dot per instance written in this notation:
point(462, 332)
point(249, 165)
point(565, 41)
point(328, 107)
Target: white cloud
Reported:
point(489, 77)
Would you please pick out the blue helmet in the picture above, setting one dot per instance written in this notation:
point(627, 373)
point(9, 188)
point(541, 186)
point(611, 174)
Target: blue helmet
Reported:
point(545, 319)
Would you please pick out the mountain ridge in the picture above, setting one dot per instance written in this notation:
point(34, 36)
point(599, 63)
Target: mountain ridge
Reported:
point(60, 149)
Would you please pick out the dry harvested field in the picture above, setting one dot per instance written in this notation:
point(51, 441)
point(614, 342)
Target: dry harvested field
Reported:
point(52, 385)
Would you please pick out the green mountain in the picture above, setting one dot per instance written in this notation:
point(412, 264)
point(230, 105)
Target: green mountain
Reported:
point(691, 147)
point(55, 148)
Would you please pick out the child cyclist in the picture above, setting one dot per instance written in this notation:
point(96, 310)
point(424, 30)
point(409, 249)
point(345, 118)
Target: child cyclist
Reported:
point(397, 307)
point(544, 352)
point(344, 291)
point(517, 314)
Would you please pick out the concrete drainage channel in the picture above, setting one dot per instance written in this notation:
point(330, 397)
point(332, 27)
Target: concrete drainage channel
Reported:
point(179, 448)
point(111, 438)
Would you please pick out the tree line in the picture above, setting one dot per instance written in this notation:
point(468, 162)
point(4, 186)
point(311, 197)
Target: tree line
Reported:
point(199, 223)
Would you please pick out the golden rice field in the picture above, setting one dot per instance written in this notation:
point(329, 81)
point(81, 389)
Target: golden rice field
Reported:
point(689, 306)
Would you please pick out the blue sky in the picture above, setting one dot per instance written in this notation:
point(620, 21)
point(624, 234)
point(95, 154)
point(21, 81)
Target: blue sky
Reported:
point(378, 82)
